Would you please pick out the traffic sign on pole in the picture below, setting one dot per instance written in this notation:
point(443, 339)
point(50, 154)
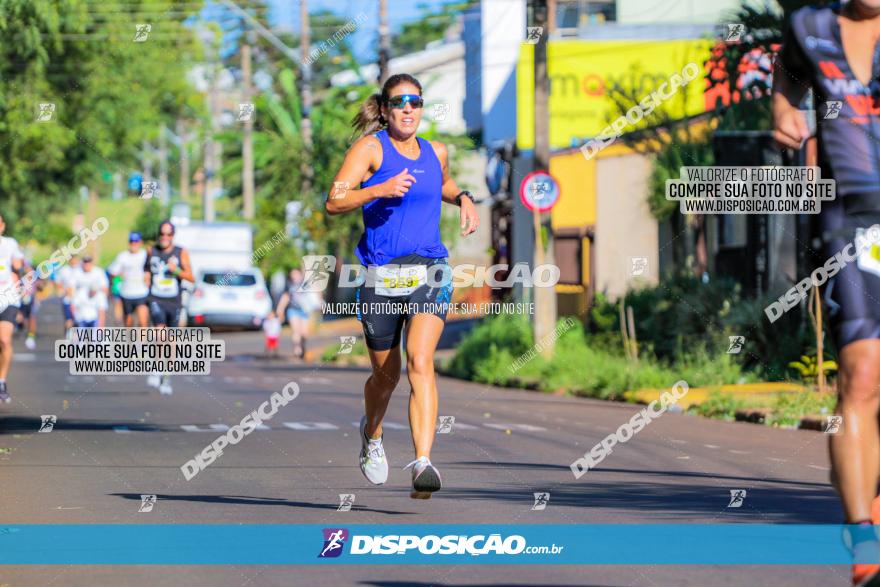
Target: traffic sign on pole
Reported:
point(539, 191)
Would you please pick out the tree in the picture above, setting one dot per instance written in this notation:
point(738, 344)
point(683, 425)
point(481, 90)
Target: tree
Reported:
point(414, 36)
point(78, 94)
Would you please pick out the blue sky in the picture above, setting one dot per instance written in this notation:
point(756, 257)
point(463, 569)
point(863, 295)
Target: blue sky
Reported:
point(285, 13)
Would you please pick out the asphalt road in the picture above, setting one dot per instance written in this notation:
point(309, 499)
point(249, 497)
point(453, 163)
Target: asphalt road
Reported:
point(116, 439)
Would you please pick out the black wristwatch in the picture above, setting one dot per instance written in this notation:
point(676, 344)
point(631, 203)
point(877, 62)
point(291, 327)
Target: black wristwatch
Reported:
point(465, 194)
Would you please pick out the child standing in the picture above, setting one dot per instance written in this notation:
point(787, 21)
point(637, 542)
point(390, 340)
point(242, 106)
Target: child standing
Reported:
point(272, 329)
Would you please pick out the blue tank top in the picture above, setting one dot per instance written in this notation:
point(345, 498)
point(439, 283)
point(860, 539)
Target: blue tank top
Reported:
point(394, 227)
point(849, 135)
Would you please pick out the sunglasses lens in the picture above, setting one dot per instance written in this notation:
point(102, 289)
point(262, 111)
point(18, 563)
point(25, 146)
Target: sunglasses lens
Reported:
point(399, 102)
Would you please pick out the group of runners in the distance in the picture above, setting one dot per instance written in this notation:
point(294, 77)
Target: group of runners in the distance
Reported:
point(149, 289)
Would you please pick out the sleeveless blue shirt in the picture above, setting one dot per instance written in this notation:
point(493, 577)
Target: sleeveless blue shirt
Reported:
point(409, 225)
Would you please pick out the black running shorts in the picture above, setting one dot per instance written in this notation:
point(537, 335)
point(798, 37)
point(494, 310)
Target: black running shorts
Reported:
point(383, 316)
point(852, 296)
point(130, 305)
point(9, 314)
point(164, 313)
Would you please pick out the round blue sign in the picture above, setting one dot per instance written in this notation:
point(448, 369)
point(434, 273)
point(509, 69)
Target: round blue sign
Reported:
point(539, 191)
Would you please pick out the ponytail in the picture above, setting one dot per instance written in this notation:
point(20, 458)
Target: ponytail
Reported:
point(369, 118)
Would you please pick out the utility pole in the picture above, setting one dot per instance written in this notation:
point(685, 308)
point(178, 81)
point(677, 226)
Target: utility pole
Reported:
point(182, 136)
point(212, 170)
point(147, 160)
point(306, 70)
point(384, 42)
point(164, 186)
point(545, 297)
point(247, 143)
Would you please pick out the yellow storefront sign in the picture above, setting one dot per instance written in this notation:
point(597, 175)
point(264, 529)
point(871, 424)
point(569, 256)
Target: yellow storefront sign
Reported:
point(582, 74)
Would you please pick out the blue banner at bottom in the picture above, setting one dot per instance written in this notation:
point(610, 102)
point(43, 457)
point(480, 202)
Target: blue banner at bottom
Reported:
point(280, 544)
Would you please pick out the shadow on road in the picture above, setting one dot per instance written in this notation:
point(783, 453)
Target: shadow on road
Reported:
point(671, 497)
point(745, 481)
point(32, 424)
point(247, 500)
point(452, 584)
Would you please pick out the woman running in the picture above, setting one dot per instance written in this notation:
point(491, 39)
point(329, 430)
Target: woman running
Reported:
point(402, 179)
point(298, 305)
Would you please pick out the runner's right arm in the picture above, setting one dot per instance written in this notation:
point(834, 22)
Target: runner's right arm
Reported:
point(115, 267)
point(148, 275)
point(362, 158)
point(791, 80)
point(282, 304)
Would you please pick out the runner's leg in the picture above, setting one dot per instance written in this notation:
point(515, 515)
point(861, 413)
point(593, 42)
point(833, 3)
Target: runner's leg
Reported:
point(296, 334)
point(855, 452)
point(422, 335)
point(379, 387)
point(6, 329)
point(143, 315)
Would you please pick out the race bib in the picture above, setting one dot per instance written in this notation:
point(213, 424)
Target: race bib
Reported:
point(400, 281)
point(165, 287)
point(869, 258)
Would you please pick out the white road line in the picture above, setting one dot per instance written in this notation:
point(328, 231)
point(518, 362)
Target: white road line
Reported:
point(25, 357)
point(310, 425)
point(464, 426)
point(121, 429)
point(739, 452)
point(318, 380)
point(389, 425)
point(711, 445)
point(210, 428)
point(775, 459)
point(524, 427)
point(820, 468)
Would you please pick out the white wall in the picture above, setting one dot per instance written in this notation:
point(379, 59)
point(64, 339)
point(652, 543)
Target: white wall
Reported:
point(678, 11)
point(503, 25)
point(624, 226)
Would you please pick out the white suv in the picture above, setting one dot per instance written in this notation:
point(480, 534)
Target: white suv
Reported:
point(230, 297)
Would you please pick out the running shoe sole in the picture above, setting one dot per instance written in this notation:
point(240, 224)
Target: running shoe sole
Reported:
point(872, 581)
point(425, 484)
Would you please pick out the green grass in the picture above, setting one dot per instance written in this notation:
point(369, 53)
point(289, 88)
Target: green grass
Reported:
point(121, 216)
point(331, 353)
point(581, 364)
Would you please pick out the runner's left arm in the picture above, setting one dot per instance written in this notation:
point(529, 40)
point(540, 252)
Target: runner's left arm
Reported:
point(185, 271)
point(470, 219)
point(17, 259)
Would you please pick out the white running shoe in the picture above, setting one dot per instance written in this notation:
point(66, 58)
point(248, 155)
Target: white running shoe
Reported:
point(374, 465)
point(165, 386)
point(154, 380)
point(425, 478)
point(30, 342)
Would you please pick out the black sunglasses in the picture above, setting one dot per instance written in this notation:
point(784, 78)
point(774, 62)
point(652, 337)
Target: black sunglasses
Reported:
point(166, 234)
point(399, 102)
